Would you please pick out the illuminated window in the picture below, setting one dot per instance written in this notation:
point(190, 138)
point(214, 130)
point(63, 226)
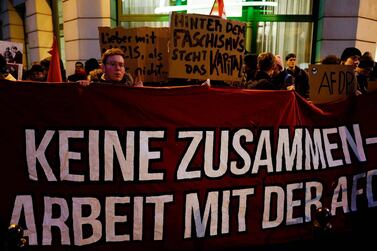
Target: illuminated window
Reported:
point(278, 26)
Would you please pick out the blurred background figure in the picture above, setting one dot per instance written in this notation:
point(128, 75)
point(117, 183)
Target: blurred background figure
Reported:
point(330, 59)
point(4, 74)
point(90, 65)
point(46, 65)
point(363, 72)
point(300, 77)
point(8, 55)
point(93, 70)
point(79, 74)
point(250, 66)
point(37, 73)
point(350, 56)
point(17, 55)
point(282, 79)
point(263, 77)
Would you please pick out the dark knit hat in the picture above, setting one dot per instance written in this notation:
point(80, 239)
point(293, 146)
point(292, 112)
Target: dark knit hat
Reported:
point(366, 62)
point(36, 68)
point(350, 52)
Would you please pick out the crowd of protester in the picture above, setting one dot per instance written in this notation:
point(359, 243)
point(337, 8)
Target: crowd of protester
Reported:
point(111, 70)
point(264, 71)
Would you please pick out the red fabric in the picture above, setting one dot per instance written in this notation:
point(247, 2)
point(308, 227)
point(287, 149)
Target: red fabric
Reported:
point(54, 72)
point(84, 112)
point(218, 9)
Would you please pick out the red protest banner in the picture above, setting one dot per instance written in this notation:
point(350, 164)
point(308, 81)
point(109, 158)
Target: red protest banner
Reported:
point(121, 168)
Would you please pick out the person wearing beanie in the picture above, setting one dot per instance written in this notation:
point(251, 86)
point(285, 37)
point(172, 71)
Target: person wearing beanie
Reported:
point(37, 73)
point(350, 56)
point(363, 72)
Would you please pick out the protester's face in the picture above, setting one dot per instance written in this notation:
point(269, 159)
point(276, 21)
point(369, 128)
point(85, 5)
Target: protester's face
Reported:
point(37, 76)
point(78, 68)
point(353, 61)
point(114, 68)
point(291, 63)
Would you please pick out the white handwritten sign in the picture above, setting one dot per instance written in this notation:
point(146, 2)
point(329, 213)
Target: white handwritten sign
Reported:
point(145, 48)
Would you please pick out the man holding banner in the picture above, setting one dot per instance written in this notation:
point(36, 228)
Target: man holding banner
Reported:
point(113, 68)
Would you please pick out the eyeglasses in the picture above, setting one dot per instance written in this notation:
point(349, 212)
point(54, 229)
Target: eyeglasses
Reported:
point(115, 64)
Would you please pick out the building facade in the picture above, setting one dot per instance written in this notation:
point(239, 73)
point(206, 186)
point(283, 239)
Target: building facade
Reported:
point(312, 29)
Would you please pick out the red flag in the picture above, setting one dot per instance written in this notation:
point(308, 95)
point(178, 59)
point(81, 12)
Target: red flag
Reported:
point(54, 72)
point(218, 9)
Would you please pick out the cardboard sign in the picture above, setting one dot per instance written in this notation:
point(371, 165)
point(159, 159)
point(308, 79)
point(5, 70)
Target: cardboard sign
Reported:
point(331, 83)
point(204, 47)
point(145, 48)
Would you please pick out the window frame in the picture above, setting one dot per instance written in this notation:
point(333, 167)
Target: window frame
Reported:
point(250, 15)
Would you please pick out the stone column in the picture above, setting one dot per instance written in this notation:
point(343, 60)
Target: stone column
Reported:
point(39, 29)
point(81, 21)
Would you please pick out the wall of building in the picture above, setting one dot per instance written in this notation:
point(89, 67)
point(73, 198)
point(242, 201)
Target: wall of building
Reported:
point(346, 23)
point(12, 23)
point(367, 27)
